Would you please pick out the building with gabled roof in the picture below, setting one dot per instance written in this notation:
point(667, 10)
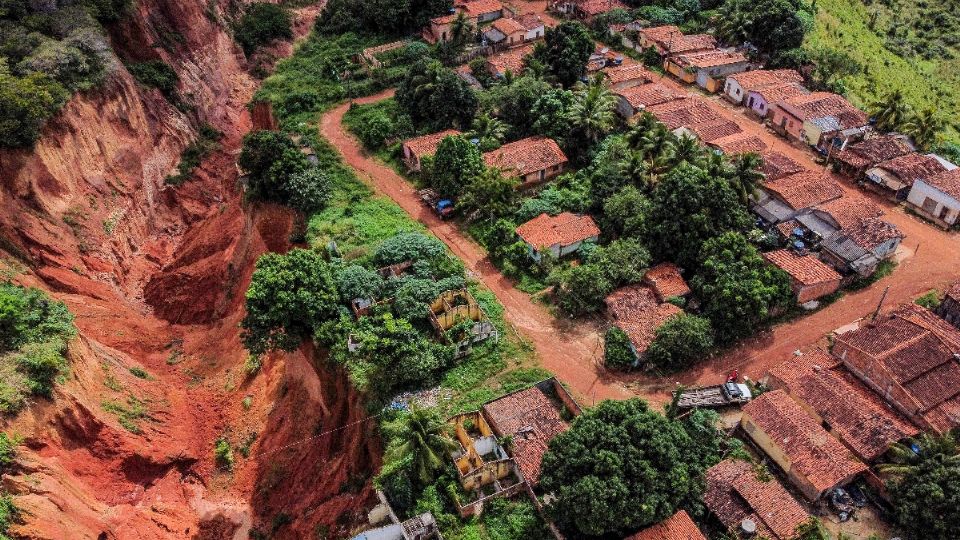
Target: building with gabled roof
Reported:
point(777, 165)
point(855, 159)
point(666, 281)
point(668, 40)
point(810, 278)
point(626, 76)
point(417, 148)
point(708, 132)
point(635, 310)
point(806, 117)
point(812, 459)
point(562, 234)
point(937, 197)
point(783, 199)
point(762, 99)
point(910, 358)
point(684, 113)
point(676, 527)
point(706, 69)
point(860, 247)
point(736, 492)
point(512, 60)
point(842, 404)
point(739, 85)
point(635, 99)
point(894, 177)
point(739, 143)
point(533, 160)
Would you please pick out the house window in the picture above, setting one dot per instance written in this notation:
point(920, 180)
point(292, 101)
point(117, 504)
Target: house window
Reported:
point(543, 175)
point(943, 213)
point(930, 206)
point(738, 92)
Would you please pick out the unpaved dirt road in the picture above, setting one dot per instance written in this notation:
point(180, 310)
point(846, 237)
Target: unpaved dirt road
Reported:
point(929, 258)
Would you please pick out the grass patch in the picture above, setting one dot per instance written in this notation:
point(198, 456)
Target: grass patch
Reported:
point(930, 300)
point(139, 373)
point(884, 269)
point(207, 141)
point(129, 414)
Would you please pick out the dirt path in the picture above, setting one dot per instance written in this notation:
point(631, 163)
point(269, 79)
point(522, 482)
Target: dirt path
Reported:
point(570, 349)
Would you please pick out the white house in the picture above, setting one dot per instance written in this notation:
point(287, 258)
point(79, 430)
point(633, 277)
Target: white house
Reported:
point(561, 234)
point(937, 197)
point(738, 85)
point(761, 99)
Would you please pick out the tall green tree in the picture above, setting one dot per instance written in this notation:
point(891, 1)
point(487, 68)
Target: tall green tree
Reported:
point(746, 175)
point(490, 194)
point(680, 342)
point(592, 113)
point(427, 440)
point(456, 163)
point(25, 105)
point(551, 115)
point(739, 289)
point(771, 25)
point(489, 131)
point(435, 97)
point(621, 467)
point(891, 112)
point(925, 127)
point(565, 51)
point(262, 23)
point(513, 102)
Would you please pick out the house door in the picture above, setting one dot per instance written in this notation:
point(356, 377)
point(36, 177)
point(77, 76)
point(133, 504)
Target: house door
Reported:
point(943, 213)
point(750, 103)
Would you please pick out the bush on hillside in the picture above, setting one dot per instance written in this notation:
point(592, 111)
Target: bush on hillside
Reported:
point(262, 23)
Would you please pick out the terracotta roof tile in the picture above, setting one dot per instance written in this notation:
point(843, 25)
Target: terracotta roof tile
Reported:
point(948, 182)
point(475, 8)
point(821, 104)
point(660, 33)
point(650, 94)
point(752, 80)
point(856, 415)
point(804, 189)
point(734, 493)
point(512, 60)
point(708, 59)
point(637, 312)
point(666, 281)
point(564, 229)
point(954, 291)
point(786, 228)
point(871, 232)
point(739, 143)
point(526, 156)
point(596, 7)
point(849, 211)
point(778, 92)
point(426, 145)
point(812, 452)
point(690, 43)
point(805, 269)
point(711, 131)
point(630, 72)
point(686, 112)
point(533, 420)
point(676, 527)
point(870, 152)
point(909, 167)
point(777, 165)
point(530, 21)
point(508, 26)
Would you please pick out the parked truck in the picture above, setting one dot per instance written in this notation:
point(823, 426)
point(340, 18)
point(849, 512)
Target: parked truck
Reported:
point(718, 395)
point(441, 207)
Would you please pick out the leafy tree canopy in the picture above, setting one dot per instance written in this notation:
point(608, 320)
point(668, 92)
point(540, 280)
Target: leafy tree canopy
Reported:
point(680, 342)
point(925, 488)
point(565, 51)
point(435, 97)
point(617, 349)
point(262, 23)
point(456, 163)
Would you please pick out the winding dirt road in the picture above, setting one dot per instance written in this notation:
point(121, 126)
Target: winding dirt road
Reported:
point(929, 258)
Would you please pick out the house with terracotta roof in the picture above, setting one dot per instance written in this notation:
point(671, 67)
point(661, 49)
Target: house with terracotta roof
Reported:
point(949, 307)
point(415, 149)
point(847, 212)
point(739, 85)
point(512, 60)
point(741, 499)
point(666, 282)
point(684, 113)
point(739, 143)
point(894, 177)
point(588, 9)
point(860, 248)
point(480, 11)
point(810, 279)
point(783, 199)
point(533, 160)
point(562, 234)
point(707, 132)
point(909, 358)
point(634, 99)
point(806, 117)
point(854, 160)
point(676, 527)
point(531, 418)
point(627, 76)
point(635, 310)
point(811, 458)
point(760, 100)
point(937, 197)
point(854, 414)
point(669, 41)
point(706, 69)
point(505, 32)
point(777, 165)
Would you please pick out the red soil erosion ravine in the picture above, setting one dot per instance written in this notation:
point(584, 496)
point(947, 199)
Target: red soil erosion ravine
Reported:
point(573, 350)
point(155, 276)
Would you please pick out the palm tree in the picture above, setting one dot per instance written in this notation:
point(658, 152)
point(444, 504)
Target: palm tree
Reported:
point(686, 149)
point(486, 127)
point(592, 110)
point(890, 112)
point(925, 128)
point(636, 169)
point(460, 29)
point(427, 439)
point(717, 165)
point(657, 143)
point(904, 460)
point(746, 175)
point(645, 124)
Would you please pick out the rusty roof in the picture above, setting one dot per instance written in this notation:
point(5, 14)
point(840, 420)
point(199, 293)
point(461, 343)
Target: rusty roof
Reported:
point(508, 26)
point(628, 72)
point(735, 492)
point(426, 145)
point(856, 415)
point(475, 8)
point(511, 60)
point(777, 165)
point(666, 281)
point(778, 92)
point(676, 527)
point(564, 229)
point(821, 104)
point(759, 78)
point(650, 94)
point(947, 182)
point(804, 189)
point(739, 143)
point(709, 59)
point(526, 156)
point(909, 167)
point(533, 420)
point(805, 269)
point(811, 451)
point(638, 313)
point(872, 151)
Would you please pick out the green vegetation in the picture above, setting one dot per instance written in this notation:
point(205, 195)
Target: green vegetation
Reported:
point(385, 17)
point(278, 171)
point(925, 487)
point(34, 332)
point(155, 74)
point(565, 52)
point(128, 414)
point(617, 349)
point(773, 26)
point(902, 47)
point(223, 454)
point(48, 52)
point(207, 141)
point(680, 342)
point(435, 97)
point(8, 514)
point(930, 300)
point(262, 23)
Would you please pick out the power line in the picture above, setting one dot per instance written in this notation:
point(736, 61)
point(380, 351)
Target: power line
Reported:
point(318, 435)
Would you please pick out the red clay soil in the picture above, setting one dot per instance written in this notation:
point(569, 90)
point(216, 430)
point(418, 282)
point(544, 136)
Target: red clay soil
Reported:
point(573, 350)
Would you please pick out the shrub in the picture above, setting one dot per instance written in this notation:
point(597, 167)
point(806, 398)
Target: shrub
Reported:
point(262, 23)
point(581, 289)
point(223, 454)
point(8, 514)
point(8, 451)
point(273, 164)
point(207, 141)
point(680, 341)
point(25, 104)
point(618, 350)
point(139, 372)
point(155, 74)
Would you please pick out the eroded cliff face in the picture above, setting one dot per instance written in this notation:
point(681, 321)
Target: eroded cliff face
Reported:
point(155, 276)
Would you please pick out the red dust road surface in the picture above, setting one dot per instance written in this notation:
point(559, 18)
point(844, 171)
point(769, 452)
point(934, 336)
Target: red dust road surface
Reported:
point(570, 349)
point(928, 258)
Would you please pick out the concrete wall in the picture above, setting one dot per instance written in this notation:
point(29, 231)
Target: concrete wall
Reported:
point(933, 203)
point(624, 109)
point(785, 123)
point(734, 92)
point(757, 104)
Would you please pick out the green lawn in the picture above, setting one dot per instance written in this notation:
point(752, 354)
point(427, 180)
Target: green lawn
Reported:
point(844, 25)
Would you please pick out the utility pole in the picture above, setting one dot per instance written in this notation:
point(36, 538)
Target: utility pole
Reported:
point(880, 304)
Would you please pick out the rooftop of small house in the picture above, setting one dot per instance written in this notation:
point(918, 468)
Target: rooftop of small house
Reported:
point(821, 104)
point(759, 78)
point(874, 150)
point(739, 143)
point(650, 94)
point(638, 313)
point(629, 72)
point(687, 112)
point(778, 165)
point(511, 60)
point(948, 182)
point(676, 527)
point(526, 156)
point(805, 269)
point(426, 145)
point(778, 92)
point(909, 167)
point(716, 129)
point(709, 59)
point(563, 229)
point(666, 281)
point(804, 189)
